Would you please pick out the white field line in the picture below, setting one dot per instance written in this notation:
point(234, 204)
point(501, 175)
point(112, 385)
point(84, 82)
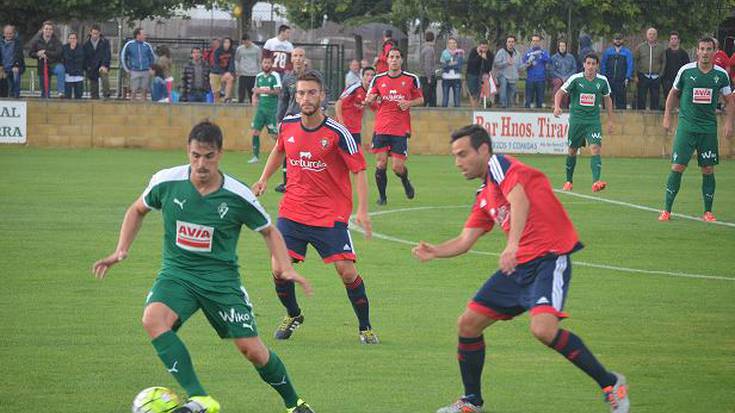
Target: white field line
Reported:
point(385, 237)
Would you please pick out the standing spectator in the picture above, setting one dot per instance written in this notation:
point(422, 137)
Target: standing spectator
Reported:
point(13, 63)
point(563, 65)
point(617, 66)
point(720, 58)
point(166, 62)
point(353, 75)
point(381, 59)
point(195, 81)
point(47, 48)
point(479, 65)
point(676, 57)
point(585, 48)
point(280, 49)
point(507, 63)
point(535, 60)
point(73, 67)
point(136, 57)
point(159, 91)
point(428, 70)
point(208, 53)
point(224, 67)
point(650, 60)
point(247, 67)
point(97, 56)
point(452, 59)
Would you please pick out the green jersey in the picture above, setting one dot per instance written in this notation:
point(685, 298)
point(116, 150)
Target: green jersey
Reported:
point(585, 97)
point(699, 93)
point(201, 232)
point(270, 80)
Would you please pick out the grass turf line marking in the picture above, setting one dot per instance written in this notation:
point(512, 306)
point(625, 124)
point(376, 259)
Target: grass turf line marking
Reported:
point(641, 207)
point(385, 237)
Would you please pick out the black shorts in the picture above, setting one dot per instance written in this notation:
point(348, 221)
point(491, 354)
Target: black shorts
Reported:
point(396, 146)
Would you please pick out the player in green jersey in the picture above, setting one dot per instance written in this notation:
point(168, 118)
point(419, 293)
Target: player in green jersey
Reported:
point(586, 90)
point(696, 89)
point(203, 211)
point(265, 98)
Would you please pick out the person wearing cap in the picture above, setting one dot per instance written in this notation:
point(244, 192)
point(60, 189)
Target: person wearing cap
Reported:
point(617, 65)
point(381, 60)
point(676, 57)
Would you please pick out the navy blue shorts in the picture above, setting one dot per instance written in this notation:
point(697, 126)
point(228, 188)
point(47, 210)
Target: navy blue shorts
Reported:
point(332, 244)
point(357, 138)
point(397, 146)
point(540, 286)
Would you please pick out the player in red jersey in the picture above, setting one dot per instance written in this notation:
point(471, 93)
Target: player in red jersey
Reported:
point(381, 60)
point(535, 268)
point(351, 104)
point(398, 91)
point(320, 155)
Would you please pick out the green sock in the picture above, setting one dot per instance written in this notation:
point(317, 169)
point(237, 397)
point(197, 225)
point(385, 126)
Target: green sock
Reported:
point(708, 191)
point(256, 146)
point(571, 163)
point(596, 165)
point(672, 188)
point(275, 374)
point(175, 357)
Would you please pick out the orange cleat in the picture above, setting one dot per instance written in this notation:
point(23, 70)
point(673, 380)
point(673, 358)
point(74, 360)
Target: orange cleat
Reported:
point(665, 216)
point(599, 186)
point(708, 217)
point(567, 186)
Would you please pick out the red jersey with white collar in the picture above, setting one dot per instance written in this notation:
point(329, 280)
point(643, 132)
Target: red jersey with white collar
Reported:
point(391, 120)
point(353, 106)
point(548, 227)
point(318, 165)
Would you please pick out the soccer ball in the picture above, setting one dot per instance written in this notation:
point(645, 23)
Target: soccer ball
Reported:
point(155, 400)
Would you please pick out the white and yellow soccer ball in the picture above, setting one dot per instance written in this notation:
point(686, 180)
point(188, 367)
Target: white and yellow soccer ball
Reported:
point(155, 400)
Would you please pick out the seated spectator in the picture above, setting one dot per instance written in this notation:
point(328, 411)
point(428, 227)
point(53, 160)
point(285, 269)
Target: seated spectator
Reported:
point(353, 75)
point(452, 59)
point(563, 64)
point(97, 56)
point(208, 53)
point(195, 80)
point(166, 62)
point(11, 51)
point(159, 92)
point(48, 50)
point(74, 67)
point(223, 70)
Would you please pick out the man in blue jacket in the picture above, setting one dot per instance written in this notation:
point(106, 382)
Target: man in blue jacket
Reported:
point(535, 61)
point(617, 65)
point(136, 57)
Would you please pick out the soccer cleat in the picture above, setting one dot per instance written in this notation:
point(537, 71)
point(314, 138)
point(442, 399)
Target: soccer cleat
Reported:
point(599, 186)
point(664, 216)
point(408, 189)
point(301, 407)
point(280, 188)
point(708, 217)
point(254, 159)
point(369, 337)
point(567, 186)
point(617, 395)
point(199, 404)
point(382, 201)
point(288, 326)
point(461, 406)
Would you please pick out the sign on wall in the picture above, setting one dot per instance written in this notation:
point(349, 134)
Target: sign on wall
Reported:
point(532, 132)
point(13, 120)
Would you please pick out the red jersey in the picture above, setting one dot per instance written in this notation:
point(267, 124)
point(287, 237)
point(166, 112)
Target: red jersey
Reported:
point(391, 120)
point(731, 62)
point(353, 106)
point(318, 165)
point(382, 64)
point(721, 59)
point(548, 227)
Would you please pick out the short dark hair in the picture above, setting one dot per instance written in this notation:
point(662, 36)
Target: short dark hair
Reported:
point(537, 35)
point(282, 28)
point(429, 36)
point(366, 68)
point(245, 37)
point(95, 27)
point(137, 31)
point(510, 36)
point(396, 50)
point(708, 39)
point(560, 42)
point(592, 56)
point(310, 76)
point(477, 134)
point(483, 41)
point(157, 70)
point(206, 132)
point(388, 33)
point(266, 57)
point(674, 33)
point(196, 48)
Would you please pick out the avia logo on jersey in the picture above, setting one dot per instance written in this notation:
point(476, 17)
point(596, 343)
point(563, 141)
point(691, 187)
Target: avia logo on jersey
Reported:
point(194, 237)
point(702, 95)
point(236, 318)
point(587, 99)
point(305, 162)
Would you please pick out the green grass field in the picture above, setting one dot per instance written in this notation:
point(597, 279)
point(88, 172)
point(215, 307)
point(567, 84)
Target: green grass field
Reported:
point(69, 343)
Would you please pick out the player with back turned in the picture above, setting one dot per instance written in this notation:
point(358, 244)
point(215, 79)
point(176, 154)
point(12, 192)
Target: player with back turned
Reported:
point(535, 266)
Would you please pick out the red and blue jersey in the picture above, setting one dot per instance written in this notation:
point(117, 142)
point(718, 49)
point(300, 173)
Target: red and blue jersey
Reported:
point(318, 165)
point(353, 106)
point(548, 227)
point(391, 120)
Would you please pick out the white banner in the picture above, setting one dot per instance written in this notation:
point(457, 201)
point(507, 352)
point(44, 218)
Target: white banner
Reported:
point(13, 120)
point(519, 132)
